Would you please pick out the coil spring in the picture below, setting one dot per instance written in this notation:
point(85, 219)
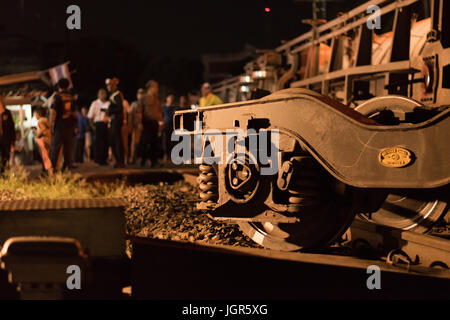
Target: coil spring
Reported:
point(305, 186)
point(207, 183)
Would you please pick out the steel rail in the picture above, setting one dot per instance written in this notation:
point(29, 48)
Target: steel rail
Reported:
point(423, 250)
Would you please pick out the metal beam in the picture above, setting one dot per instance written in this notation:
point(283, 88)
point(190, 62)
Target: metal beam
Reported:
point(358, 71)
point(334, 33)
point(20, 77)
point(342, 19)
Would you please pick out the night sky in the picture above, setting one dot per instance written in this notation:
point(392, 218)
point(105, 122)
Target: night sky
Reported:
point(138, 40)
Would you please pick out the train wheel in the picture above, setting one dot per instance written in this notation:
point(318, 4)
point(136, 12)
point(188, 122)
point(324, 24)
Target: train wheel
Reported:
point(415, 210)
point(312, 232)
point(324, 214)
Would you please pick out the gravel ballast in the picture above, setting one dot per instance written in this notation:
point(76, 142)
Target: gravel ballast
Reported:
point(167, 211)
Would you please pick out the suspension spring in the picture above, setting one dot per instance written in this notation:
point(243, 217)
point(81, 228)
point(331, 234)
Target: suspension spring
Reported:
point(305, 185)
point(207, 183)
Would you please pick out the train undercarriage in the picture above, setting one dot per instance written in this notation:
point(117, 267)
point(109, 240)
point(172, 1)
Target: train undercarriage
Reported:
point(332, 163)
point(361, 132)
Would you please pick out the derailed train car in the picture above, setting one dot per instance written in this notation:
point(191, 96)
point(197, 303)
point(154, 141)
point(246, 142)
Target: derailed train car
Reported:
point(360, 130)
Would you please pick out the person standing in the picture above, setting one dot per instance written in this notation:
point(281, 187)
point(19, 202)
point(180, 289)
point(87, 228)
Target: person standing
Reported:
point(115, 112)
point(62, 123)
point(168, 113)
point(136, 124)
point(18, 155)
point(88, 145)
point(44, 139)
point(7, 135)
point(76, 130)
point(126, 129)
point(184, 102)
point(152, 121)
point(97, 114)
point(83, 127)
point(208, 97)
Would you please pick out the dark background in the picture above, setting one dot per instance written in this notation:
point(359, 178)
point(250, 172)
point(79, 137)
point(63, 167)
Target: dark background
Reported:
point(141, 40)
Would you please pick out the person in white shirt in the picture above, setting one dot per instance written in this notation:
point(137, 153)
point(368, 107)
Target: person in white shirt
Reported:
point(97, 114)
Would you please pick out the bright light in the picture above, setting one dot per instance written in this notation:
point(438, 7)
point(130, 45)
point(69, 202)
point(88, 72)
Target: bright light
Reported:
point(245, 89)
point(28, 120)
point(267, 9)
point(245, 79)
point(259, 74)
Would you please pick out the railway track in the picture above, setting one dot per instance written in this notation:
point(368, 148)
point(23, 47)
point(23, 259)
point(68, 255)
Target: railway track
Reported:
point(401, 248)
point(405, 258)
point(191, 271)
point(412, 265)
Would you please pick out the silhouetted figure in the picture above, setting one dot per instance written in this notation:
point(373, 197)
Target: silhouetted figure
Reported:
point(115, 112)
point(136, 120)
point(83, 127)
point(7, 135)
point(168, 112)
point(62, 122)
point(152, 121)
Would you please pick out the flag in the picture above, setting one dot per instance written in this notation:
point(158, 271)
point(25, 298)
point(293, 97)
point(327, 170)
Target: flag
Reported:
point(59, 72)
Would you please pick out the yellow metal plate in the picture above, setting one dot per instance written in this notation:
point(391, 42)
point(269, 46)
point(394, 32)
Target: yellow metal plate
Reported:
point(394, 157)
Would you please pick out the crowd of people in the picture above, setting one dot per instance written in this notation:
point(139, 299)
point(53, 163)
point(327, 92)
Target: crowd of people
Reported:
point(110, 131)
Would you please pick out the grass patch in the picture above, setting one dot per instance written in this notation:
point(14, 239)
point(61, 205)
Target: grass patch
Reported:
point(16, 185)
